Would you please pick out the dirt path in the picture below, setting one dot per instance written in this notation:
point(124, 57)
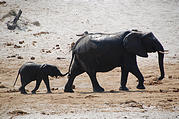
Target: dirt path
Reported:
point(163, 96)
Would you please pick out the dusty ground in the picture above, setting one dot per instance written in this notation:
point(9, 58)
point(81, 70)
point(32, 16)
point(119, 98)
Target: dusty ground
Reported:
point(48, 27)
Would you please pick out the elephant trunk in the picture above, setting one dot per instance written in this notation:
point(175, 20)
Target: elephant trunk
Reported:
point(160, 60)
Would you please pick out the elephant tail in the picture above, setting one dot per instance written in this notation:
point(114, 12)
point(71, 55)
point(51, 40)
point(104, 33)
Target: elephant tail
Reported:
point(73, 55)
point(16, 78)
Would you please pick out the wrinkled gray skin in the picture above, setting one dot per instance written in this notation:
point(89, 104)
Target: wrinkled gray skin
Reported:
point(31, 72)
point(92, 54)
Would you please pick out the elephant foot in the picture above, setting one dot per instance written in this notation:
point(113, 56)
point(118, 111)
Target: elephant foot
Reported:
point(33, 92)
point(160, 78)
point(124, 88)
point(99, 89)
point(140, 86)
point(68, 90)
point(49, 92)
point(23, 92)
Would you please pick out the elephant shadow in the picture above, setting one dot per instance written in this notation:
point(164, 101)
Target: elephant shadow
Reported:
point(113, 91)
point(41, 93)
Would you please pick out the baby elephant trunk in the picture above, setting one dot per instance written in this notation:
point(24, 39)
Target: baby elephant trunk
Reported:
point(60, 74)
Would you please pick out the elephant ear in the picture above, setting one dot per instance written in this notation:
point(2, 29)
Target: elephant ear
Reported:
point(133, 44)
point(43, 68)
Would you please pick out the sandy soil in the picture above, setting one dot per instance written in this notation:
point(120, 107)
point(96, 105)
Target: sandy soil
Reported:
point(48, 27)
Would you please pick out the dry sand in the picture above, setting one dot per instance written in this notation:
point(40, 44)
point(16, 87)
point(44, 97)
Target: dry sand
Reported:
point(48, 27)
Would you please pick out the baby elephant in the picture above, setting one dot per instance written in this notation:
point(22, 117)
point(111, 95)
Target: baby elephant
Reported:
point(31, 71)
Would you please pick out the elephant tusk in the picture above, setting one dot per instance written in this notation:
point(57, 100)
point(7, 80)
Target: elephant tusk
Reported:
point(165, 52)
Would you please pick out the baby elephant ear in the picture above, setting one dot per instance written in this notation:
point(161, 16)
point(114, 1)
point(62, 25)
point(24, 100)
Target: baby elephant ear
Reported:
point(43, 68)
point(133, 44)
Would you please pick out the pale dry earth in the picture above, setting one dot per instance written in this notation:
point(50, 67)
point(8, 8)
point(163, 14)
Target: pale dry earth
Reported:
point(48, 27)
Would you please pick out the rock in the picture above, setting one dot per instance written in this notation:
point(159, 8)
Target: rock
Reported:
point(32, 58)
point(133, 103)
point(2, 86)
point(9, 14)
point(29, 30)
point(12, 90)
point(48, 51)
point(36, 23)
point(170, 76)
point(57, 47)
point(12, 56)
point(72, 111)
point(34, 42)
point(130, 101)
point(16, 46)
point(148, 76)
point(8, 44)
point(176, 90)
point(90, 96)
point(19, 57)
point(170, 100)
point(2, 2)
point(43, 113)
point(18, 112)
point(43, 50)
point(111, 91)
point(21, 42)
point(72, 45)
point(70, 97)
point(153, 82)
point(59, 58)
point(40, 33)
point(73, 87)
point(163, 91)
point(54, 89)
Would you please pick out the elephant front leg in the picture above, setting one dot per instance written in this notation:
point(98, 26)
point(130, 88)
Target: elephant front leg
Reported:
point(46, 81)
point(38, 81)
point(135, 71)
point(124, 75)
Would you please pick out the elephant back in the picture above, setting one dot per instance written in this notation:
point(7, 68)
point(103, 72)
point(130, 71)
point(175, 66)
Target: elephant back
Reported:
point(97, 41)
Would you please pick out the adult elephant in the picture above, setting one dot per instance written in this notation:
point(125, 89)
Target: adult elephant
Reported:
point(99, 52)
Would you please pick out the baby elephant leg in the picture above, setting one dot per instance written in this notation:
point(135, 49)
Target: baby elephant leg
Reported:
point(22, 89)
point(38, 81)
point(24, 83)
point(46, 80)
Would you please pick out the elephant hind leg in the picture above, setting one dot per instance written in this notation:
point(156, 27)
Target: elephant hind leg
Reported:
point(22, 90)
point(24, 82)
point(95, 84)
point(75, 71)
point(124, 75)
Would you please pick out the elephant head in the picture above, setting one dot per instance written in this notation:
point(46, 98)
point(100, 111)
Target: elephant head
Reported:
point(51, 70)
point(142, 43)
